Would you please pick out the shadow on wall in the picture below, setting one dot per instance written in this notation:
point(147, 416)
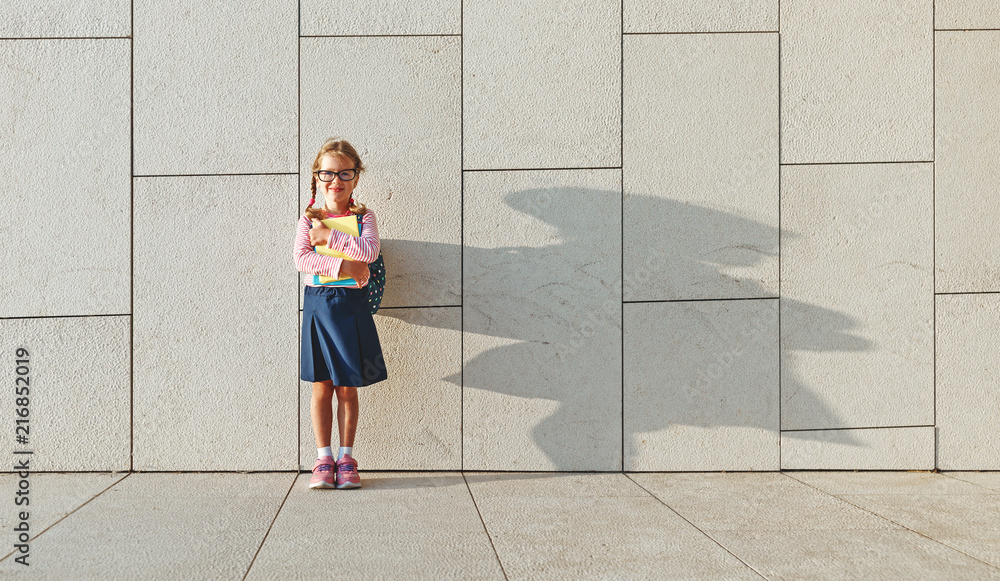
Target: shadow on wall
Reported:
point(552, 328)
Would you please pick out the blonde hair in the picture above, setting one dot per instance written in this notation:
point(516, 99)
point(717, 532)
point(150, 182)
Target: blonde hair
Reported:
point(343, 149)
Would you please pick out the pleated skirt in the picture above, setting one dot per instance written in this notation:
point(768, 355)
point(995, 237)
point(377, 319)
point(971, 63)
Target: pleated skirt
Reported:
point(339, 340)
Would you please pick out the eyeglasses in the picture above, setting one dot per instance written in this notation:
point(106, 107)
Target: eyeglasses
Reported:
point(345, 175)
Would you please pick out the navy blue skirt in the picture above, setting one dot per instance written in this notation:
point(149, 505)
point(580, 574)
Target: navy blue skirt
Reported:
point(339, 340)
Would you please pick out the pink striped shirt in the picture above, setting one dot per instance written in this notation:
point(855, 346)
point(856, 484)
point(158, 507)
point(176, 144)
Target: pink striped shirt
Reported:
point(365, 248)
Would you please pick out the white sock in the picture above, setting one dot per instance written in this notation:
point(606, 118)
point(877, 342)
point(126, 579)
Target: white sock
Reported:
point(344, 450)
point(328, 451)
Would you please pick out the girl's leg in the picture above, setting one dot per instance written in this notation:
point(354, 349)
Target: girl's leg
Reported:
point(322, 412)
point(347, 414)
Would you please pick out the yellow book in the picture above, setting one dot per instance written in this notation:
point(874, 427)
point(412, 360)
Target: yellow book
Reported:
point(348, 225)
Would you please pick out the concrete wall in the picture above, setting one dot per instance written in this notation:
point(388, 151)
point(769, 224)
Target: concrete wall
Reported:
point(639, 235)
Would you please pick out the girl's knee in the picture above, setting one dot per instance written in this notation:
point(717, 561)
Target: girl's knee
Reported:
point(323, 389)
point(346, 392)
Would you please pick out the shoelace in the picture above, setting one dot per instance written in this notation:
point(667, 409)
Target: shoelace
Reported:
point(347, 467)
point(324, 468)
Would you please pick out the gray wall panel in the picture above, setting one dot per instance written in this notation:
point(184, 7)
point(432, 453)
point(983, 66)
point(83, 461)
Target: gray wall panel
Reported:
point(215, 87)
point(64, 158)
point(216, 342)
point(542, 320)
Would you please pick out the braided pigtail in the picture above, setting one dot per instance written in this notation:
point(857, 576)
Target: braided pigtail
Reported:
point(314, 213)
point(356, 207)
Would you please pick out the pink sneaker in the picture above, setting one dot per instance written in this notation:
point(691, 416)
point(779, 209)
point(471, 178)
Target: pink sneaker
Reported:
point(323, 473)
point(347, 473)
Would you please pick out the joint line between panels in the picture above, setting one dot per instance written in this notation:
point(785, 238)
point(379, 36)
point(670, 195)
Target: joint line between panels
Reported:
point(461, 238)
point(855, 162)
point(485, 528)
point(67, 515)
point(218, 175)
point(640, 302)
point(841, 497)
point(65, 316)
point(934, 226)
point(539, 168)
point(273, 520)
point(696, 527)
point(298, 184)
point(67, 38)
point(621, 218)
point(700, 32)
point(421, 306)
point(783, 431)
point(779, 236)
point(377, 35)
point(131, 257)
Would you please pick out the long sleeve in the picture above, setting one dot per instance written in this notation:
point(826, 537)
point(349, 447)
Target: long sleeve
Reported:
point(308, 260)
point(364, 248)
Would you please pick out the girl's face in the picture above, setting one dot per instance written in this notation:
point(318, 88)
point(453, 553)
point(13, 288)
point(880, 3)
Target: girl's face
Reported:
point(336, 193)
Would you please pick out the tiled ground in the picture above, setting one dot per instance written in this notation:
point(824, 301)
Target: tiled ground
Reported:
point(479, 525)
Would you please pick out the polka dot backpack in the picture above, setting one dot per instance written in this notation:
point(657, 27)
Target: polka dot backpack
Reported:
point(376, 283)
point(376, 280)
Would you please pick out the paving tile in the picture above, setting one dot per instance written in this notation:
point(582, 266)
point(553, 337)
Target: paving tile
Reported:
point(936, 514)
point(551, 485)
point(857, 81)
point(216, 87)
point(967, 137)
point(51, 496)
point(868, 482)
point(990, 480)
point(983, 547)
point(854, 554)
point(64, 107)
point(406, 502)
point(413, 420)
point(410, 144)
point(72, 424)
point(424, 525)
point(968, 522)
point(968, 399)
point(542, 305)
point(547, 516)
point(331, 17)
point(863, 449)
point(701, 385)
point(163, 526)
point(383, 555)
point(966, 14)
point(215, 350)
point(209, 526)
point(857, 308)
point(754, 501)
point(541, 84)
point(700, 172)
point(551, 531)
point(700, 15)
point(64, 18)
point(651, 553)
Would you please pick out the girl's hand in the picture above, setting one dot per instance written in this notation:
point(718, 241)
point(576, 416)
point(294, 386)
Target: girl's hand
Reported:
point(355, 269)
point(319, 235)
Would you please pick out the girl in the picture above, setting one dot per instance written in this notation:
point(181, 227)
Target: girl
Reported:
point(340, 347)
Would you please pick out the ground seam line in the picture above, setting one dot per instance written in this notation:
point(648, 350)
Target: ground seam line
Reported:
point(271, 526)
point(696, 527)
point(948, 474)
point(887, 519)
point(65, 516)
point(485, 529)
